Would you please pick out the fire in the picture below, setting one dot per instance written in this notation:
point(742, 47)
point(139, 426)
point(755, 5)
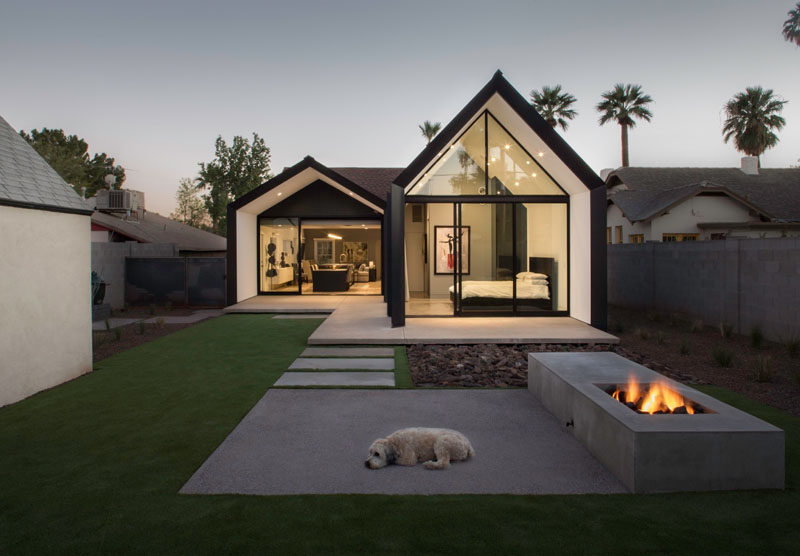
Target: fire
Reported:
point(658, 397)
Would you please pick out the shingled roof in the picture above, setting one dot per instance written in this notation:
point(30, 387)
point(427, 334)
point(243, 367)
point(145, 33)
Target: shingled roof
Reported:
point(151, 227)
point(27, 180)
point(648, 192)
point(377, 181)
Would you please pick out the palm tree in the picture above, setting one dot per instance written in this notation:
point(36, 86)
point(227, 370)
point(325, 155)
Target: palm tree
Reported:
point(751, 118)
point(622, 104)
point(791, 27)
point(554, 106)
point(430, 130)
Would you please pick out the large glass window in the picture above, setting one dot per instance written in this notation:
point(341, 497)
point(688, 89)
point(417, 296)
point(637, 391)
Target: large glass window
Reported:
point(278, 248)
point(542, 245)
point(486, 160)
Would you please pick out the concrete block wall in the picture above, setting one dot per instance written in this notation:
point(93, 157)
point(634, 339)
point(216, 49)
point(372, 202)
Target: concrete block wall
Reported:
point(742, 282)
point(108, 260)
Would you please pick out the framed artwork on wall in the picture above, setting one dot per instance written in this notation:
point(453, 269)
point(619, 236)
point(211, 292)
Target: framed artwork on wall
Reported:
point(445, 248)
point(356, 251)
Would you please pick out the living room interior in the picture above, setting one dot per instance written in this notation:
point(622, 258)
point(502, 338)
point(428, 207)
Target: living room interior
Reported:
point(334, 257)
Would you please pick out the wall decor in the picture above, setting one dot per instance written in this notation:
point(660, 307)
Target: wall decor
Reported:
point(357, 251)
point(445, 248)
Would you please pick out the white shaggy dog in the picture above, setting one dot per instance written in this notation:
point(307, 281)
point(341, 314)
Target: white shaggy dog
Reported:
point(436, 447)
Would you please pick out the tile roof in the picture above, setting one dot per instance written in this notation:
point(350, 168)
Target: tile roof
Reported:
point(377, 181)
point(154, 228)
point(775, 192)
point(26, 179)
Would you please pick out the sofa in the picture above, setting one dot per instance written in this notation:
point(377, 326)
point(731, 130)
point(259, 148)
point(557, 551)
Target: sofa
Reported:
point(331, 279)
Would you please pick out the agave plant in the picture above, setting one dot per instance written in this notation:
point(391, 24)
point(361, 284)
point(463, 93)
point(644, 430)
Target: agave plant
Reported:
point(554, 106)
point(752, 117)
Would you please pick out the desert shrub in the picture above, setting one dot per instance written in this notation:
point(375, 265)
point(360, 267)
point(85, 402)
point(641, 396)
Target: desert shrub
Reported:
point(684, 349)
point(722, 356)
point(654, 316)
point(641, 333)
point(151, 309)
point(660, 338)
point(99, 339)
point(697, 326)
point(140, 327)
point(117, 333)
point(725, 329)
point(675, 319)
point(168, 305)
point(756, 337)
point(762, 371)
point(108, 325)
point(160, 322)
point(616, 327)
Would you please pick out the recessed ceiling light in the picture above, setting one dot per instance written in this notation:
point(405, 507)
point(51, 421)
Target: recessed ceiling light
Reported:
point(541, 154)
point(452, 146)
point(280, 193)
point(527, 162)
point(516, 183)
point(507, 147)
point(533, 175)
point(493, 159)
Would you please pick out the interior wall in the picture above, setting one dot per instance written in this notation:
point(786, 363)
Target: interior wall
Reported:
point(580, 257)
point(371, 236)
point(547, 224)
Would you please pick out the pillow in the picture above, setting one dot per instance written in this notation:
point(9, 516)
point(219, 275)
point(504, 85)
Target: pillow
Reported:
point(533, 281)
point(523, 275)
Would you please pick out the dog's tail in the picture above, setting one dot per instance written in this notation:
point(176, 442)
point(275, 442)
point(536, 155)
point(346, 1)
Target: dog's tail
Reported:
point(471, 452)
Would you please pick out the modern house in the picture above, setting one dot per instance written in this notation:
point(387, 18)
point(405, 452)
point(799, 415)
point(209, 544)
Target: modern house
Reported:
point(46, 324)
point(692, 204)
point(497, 216)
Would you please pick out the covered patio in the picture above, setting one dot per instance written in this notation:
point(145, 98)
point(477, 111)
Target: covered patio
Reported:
point(363, 320)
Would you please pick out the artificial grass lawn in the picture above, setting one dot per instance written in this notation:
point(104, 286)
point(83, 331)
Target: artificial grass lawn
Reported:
point(94, 466)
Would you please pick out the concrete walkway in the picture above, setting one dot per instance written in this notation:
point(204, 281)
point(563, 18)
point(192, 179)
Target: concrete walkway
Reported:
point(196, 316)
point(315, 442)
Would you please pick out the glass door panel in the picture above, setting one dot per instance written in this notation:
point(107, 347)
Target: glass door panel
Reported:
point(542, 245)
point(278, 246)
point(485, 247)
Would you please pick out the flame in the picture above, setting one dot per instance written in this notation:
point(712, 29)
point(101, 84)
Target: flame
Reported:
point(658, 397)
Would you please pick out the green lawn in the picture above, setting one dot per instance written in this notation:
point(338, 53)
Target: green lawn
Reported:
point(94, 466)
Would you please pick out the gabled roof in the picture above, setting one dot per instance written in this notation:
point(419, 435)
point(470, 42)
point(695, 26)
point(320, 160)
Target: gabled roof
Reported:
point(27, 180)
point(499, 85)
point(773, 192)
point(375, 181)
point(151, 227)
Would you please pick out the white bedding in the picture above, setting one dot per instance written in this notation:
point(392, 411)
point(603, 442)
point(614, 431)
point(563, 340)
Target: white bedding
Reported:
point(502, 289)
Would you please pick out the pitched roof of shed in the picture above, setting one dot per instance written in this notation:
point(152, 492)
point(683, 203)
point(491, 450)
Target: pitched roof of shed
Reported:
point(27, 180)
point(154, 228)
point(377, 181)
point(775, 192)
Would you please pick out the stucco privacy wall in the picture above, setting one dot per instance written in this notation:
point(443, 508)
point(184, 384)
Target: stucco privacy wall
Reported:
point(45, 331)
point(742, 282)
point(108, 260)
point(246, 255)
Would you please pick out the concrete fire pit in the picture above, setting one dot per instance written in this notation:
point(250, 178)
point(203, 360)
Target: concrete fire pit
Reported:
point(721, 449)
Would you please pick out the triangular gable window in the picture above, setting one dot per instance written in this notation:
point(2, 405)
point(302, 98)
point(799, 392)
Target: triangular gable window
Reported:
point(486, 160)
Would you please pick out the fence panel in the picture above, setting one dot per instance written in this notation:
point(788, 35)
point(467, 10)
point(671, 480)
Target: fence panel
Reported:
point(190, 281)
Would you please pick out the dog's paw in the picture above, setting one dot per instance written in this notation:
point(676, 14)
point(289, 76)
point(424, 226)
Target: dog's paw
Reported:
point(436, 464)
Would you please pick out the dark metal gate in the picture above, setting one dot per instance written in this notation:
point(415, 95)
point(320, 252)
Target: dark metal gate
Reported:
point(189, 281)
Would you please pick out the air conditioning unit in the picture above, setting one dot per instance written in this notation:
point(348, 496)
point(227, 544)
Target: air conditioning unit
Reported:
point(120, 200)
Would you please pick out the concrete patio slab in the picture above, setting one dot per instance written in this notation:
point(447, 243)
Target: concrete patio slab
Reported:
point(197, 316)
point(347, 352)
point(335, 379)
point(354, 363)
point(288, 304)
point(316, 441)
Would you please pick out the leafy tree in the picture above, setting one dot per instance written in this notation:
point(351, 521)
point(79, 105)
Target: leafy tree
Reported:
point(622, 104)
point(235, 170)
point(554, 106)
point(429, 130)
point(751, 117)
point(190, 208)
point(791, 27)
point(69, 157)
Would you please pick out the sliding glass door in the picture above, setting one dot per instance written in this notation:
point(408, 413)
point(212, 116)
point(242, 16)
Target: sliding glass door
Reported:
point(508, 258)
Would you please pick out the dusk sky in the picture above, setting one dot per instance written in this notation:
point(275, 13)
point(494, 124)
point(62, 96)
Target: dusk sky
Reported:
point(154, 83)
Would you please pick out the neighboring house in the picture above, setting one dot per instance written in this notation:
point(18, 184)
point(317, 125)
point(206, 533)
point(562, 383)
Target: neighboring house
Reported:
point(692, 204)
point(497, 190)
point(126, 219)
point(45, 297)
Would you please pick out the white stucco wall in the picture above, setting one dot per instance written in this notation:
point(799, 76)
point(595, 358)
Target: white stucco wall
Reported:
point(246, 255)
point(614, 218)
point(45, 300)
point(580, 257)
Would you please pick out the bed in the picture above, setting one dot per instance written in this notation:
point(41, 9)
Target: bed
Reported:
point(531, 295)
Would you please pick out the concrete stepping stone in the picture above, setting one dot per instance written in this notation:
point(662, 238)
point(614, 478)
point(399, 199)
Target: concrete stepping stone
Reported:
point(335, 379)
point(347, 352)
point(302, 316)
point(112, 323)
point(354, 363)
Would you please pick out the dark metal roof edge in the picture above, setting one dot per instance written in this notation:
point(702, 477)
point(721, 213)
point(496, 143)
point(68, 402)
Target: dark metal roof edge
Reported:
point(292, 171)
point(49, 208)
